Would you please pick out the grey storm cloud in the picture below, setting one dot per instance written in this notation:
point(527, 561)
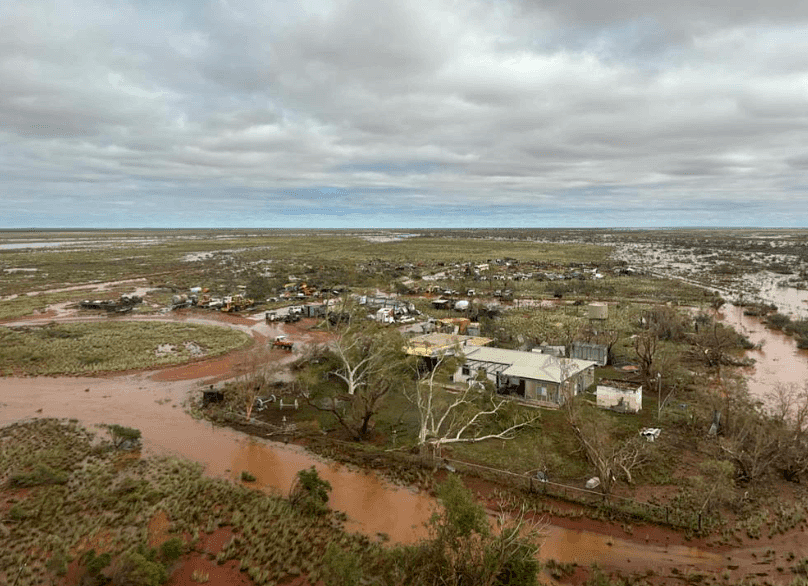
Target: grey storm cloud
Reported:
point(409, 110)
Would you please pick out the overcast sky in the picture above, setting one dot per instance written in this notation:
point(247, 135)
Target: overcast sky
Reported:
point(403, 113)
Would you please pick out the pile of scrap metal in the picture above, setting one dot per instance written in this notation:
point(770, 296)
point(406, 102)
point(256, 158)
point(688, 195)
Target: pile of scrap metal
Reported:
point(180, 301)
point(339, 317)
point(123, 304)
point(228, 304)
point(296, 290)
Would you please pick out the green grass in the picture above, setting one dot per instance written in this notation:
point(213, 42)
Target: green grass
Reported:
point(548, 445)
point(108, 346)
point(28, 304)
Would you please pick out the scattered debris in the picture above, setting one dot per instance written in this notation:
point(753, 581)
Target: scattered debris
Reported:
point(650, 433)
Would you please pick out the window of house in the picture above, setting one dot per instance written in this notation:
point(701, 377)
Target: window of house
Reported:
point(465, 370)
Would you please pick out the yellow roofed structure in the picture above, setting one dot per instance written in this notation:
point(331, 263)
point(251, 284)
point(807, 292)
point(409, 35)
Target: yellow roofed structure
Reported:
point(436, 344)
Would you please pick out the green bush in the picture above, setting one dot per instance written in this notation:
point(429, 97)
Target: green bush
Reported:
point(309, 492)
point(18, 513)
point(464, 550)
point(138, 568)
point(778, 321)
point(120, 435)
point(341, 568)
point(172, 549)
point(246, 476)
point(95, 563)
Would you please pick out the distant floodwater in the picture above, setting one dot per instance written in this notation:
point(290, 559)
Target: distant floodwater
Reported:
point(79, 244)
point(50, 244)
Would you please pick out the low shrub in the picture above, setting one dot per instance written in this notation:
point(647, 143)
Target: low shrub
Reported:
point(309, 492)
point(40, 475)
point(139, 568)
point(121, 435)
point(172, 549)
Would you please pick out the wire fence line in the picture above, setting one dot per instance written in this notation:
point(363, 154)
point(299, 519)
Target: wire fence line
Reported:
point(641, 510)
point(530, 483)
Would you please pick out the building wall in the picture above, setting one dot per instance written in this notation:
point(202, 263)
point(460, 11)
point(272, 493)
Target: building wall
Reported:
point(613, 397)
point(535, 390)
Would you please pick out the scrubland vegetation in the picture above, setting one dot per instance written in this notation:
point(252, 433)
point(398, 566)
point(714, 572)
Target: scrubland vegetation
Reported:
point(79, 348)
point(73, 500)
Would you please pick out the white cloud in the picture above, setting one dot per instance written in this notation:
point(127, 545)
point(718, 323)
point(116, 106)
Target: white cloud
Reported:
point(406, 106)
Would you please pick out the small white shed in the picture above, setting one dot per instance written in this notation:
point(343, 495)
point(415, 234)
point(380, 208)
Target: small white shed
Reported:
point(619, 397)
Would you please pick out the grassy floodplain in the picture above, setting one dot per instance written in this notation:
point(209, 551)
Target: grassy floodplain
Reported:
point(123, 254)
point(71, 493)
point(79, 507)
point(110, 346)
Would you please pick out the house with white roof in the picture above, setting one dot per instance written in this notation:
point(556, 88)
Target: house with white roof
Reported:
point(537, 378)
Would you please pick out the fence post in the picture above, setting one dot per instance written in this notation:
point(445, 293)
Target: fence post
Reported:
point(699, 522)
point(667, 520)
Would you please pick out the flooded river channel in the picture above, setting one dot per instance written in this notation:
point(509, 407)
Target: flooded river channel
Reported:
point(778, 361)
point(372, 504)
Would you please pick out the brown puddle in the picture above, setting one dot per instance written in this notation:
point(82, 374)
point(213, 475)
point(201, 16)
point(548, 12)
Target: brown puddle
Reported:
point(585, 547)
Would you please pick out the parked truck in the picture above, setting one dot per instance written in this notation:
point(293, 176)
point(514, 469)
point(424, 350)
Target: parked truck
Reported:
point(282, 343)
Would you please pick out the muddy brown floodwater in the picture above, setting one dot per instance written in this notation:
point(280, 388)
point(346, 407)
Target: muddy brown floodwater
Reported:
point(778, 361)
point(372, 504)
point(585, 547)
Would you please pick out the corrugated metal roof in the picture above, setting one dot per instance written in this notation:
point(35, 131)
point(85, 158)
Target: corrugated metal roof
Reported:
point(530, 365)
point(437, 343)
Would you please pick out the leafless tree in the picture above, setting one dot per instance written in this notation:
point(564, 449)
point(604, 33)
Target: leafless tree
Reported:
point(712, 345)
point(463, 415)
point(255, 372)
point(612, 457)
point(788, 409)
point(369, 362)
point(753, 447)
point(646, 345)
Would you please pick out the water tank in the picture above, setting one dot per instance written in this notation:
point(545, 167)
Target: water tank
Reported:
point(598, 311)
